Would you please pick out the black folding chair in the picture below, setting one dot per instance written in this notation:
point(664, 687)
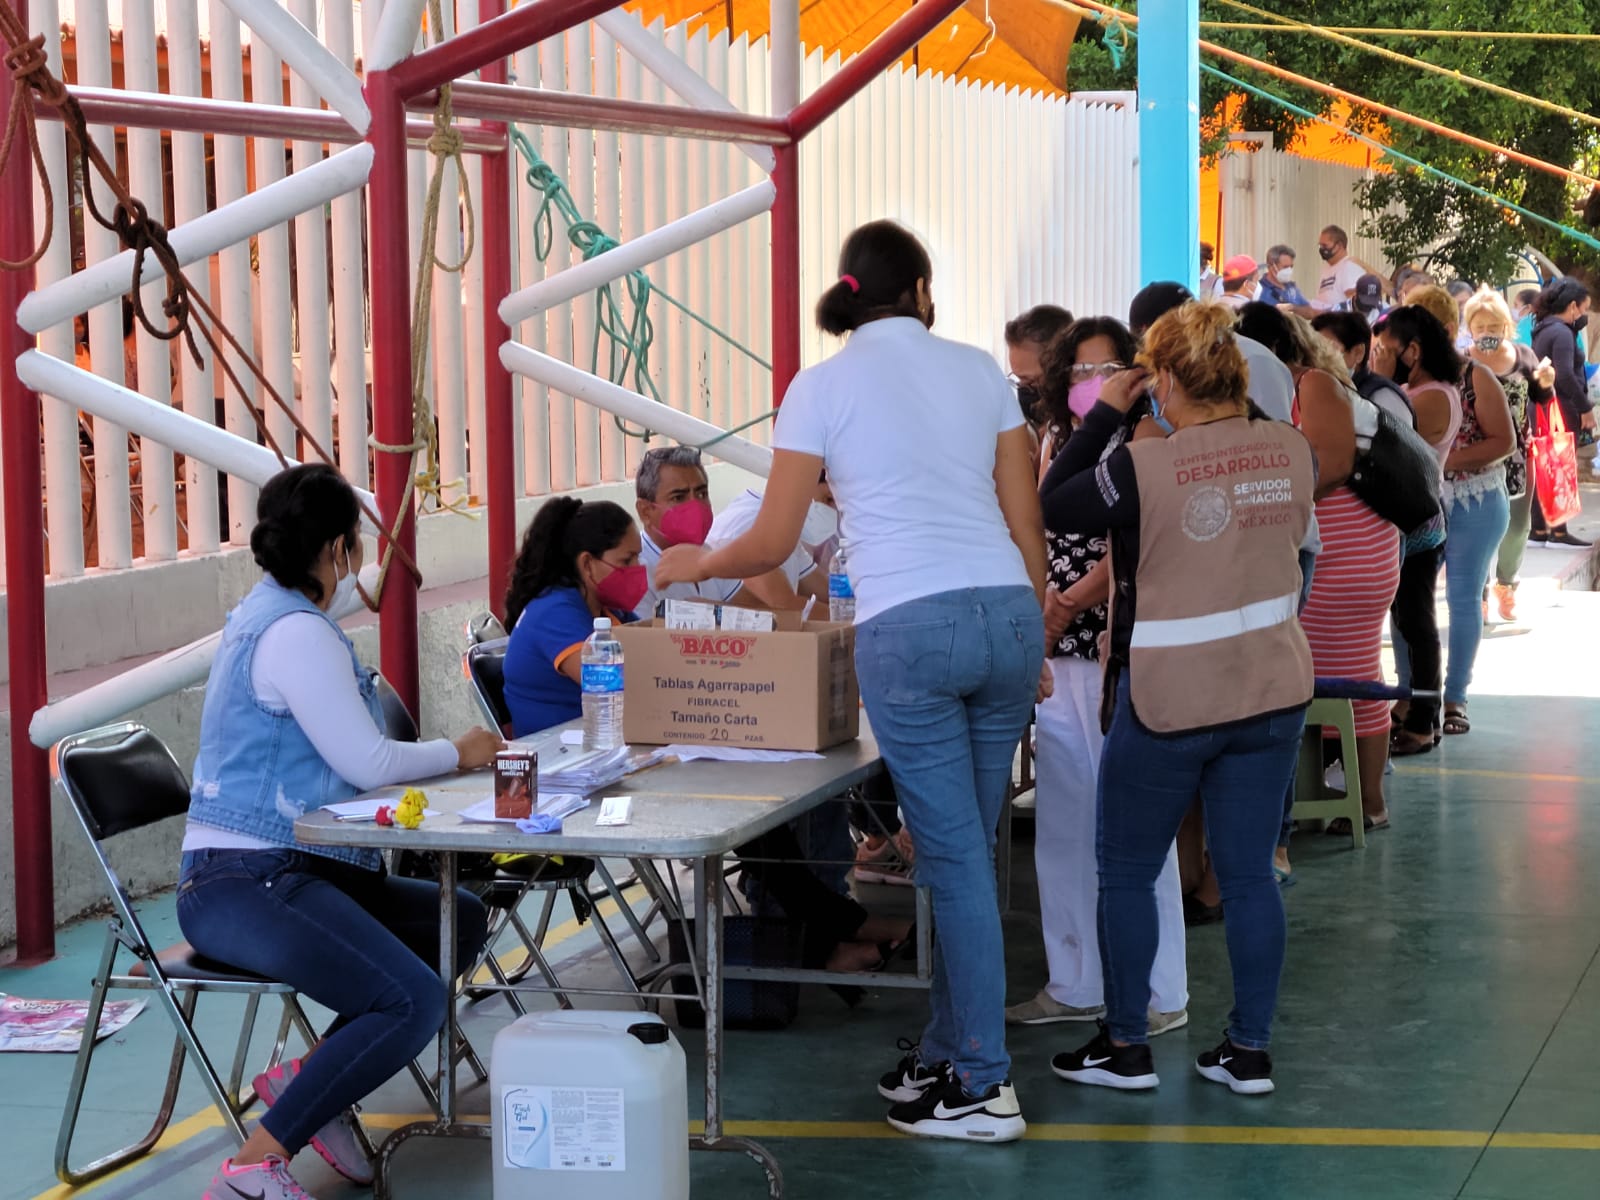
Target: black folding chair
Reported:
point(484, 666)
point(118, 779)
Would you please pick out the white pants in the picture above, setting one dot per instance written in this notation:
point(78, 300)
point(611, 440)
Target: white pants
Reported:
point(1066, 820)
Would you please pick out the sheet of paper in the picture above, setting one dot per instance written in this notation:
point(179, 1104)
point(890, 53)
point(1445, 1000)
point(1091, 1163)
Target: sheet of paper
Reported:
point(556, 803)
point(367, 809)
point(615, 810)
point(696, 753)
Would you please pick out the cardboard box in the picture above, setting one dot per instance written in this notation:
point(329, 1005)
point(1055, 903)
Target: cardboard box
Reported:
point(792, 689)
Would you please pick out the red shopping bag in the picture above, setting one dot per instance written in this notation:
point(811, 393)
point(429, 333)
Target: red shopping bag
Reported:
point(1553, 463)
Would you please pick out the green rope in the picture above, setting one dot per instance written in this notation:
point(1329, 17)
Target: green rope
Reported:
point(627, 339)
point(1567, 230)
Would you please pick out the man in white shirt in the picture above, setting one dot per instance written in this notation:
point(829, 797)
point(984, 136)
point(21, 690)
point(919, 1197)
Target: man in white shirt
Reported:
point(1340, 273)
point(672, 490)
point(1238, 281)
point(801, 577)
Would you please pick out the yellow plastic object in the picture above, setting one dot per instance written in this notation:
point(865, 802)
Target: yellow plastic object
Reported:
point(412, 805)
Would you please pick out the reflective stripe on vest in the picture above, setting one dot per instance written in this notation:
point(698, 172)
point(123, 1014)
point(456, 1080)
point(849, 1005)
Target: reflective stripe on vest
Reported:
point(1213, 627)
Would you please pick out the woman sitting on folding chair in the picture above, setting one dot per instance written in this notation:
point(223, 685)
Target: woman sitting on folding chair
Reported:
point(292, 723)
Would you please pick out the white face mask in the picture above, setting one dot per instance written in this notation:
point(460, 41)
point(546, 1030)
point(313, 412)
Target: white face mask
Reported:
point(344, 586)
point(1285, 274)
point(821, 524)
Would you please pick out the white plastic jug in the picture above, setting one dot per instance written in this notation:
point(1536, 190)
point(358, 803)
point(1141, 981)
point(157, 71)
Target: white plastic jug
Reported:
point(592, 1104)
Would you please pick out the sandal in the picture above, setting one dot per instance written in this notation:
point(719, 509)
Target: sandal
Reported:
point(889, 951)
point(1403, 743)
point(1456, 722)
point(1340, 826)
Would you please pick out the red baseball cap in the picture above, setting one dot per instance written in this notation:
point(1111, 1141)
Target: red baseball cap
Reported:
point(1240, 266)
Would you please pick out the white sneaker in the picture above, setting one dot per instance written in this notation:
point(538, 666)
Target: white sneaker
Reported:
point(1165, 1022)
point(268, 1179)
point(946, 1110)
point(1045, 1009)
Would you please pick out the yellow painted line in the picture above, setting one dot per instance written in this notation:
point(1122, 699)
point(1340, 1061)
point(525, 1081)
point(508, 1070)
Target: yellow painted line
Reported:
point(1190, 1135)
point(174, 1136)
point(1485, 773)
point(1546, 1141)
point(209, 1118)
point(1186, 1135)
point(554, 936)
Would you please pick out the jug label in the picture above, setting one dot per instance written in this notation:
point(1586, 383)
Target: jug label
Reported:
point(563, 1128)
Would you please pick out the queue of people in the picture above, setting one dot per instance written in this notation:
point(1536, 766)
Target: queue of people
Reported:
point(1145, 503)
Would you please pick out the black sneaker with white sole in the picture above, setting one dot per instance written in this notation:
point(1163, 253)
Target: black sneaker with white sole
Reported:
point(1247, 1072)
point(911, 1078)
point(946, 1110)
point(1104, 1064)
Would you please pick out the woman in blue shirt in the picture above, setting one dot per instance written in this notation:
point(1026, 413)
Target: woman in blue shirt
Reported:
point(292, 723)
point(578, 561)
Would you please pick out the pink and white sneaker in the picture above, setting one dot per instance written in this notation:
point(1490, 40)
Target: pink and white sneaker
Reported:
point(268, 1179)
point(339, 1141)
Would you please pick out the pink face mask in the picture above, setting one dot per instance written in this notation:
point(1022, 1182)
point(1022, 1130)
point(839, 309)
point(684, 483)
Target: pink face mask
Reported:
point(1084, 395)
point(687, 524)
point(622, 590)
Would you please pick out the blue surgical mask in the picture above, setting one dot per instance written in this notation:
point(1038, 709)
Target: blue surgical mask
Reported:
point(1158, 411)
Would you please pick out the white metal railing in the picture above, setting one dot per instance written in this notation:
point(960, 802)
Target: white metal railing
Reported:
point(1022, 199)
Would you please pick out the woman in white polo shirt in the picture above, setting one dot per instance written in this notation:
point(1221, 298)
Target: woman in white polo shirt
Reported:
point(929, 458)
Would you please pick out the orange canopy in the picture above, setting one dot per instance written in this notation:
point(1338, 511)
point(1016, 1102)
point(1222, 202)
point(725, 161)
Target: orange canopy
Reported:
point(1026, 48)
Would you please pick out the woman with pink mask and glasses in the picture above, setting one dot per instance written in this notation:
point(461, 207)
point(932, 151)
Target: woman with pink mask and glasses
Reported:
point(1067, 732)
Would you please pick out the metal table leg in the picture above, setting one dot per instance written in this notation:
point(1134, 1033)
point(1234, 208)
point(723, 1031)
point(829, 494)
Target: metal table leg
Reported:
point(710, 925)
point(446, 1125)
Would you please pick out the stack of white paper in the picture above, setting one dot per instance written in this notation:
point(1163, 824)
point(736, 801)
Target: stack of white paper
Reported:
point(596, 769)
point(688, 753)
point(554, 804)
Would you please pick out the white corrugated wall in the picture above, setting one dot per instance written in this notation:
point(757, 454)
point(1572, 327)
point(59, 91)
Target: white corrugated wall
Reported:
point(1021, 199)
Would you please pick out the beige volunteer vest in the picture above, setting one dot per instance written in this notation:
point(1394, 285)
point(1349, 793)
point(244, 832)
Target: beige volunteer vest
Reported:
point(1223, 509)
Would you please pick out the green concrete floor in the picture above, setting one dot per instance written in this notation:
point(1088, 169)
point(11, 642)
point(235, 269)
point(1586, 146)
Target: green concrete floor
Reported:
point(1438, 1034)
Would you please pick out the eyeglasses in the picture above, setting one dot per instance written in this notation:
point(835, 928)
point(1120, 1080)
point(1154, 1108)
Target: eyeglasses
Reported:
point(1082, 371)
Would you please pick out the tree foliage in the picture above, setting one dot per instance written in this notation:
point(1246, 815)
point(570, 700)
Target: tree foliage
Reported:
point(1418, 216)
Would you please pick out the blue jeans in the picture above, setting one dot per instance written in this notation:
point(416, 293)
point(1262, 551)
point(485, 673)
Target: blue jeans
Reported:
point(1476, 530)
point(1147, 783)
point(949, 684)
point(362, 943)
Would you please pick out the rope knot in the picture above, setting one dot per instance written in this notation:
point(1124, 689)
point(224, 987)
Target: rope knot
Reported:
point(27, 60)
point(446, 142)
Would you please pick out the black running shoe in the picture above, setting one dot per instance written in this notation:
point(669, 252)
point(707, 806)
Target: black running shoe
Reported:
point(911, 1078)
point(1247, 1072)
point(1103, 1064)
point(946, 1110)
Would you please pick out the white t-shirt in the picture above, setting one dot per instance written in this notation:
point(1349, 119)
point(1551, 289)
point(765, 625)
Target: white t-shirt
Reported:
point(301, 664)
point(735, 521)
point(1271, 388)
point(1336, 284)
point(718, 591)
point(1271, 383)
point(906, 424)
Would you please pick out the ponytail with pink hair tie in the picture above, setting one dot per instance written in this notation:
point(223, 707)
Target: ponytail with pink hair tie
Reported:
point(851, 282)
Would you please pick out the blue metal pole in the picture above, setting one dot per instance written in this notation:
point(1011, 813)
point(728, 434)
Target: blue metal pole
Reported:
point(1169, 141)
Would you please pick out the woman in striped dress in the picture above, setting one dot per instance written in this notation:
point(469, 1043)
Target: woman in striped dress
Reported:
point(1358, 568)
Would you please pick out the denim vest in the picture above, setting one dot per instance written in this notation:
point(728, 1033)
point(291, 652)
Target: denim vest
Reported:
point(257, 771)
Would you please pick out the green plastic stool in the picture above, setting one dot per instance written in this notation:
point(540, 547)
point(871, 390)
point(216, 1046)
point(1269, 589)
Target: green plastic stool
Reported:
point(1313, 798)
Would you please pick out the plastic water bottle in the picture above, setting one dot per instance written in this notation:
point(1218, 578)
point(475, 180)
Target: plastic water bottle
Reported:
point(841, 596)
point(602, 688)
